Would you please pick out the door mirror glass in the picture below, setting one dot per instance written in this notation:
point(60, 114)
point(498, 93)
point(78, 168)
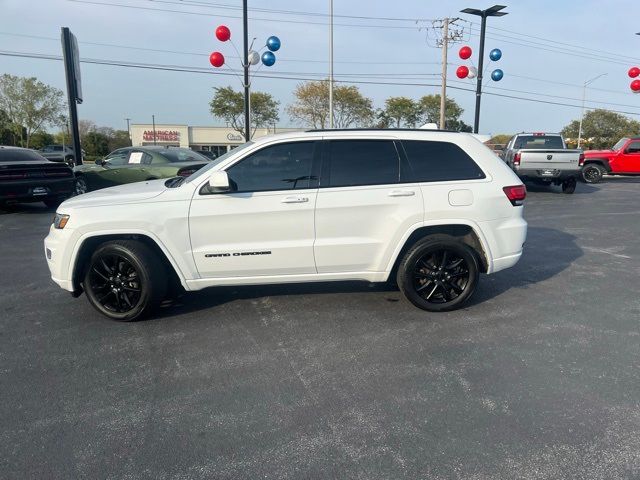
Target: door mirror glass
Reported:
point(219, 182)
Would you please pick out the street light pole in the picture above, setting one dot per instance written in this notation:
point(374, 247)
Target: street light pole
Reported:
point(443, 91)
point(489, 12)
point(245, 65)
point(584, 95)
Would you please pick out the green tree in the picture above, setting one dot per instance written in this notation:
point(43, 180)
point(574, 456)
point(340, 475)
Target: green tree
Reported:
point(40, 139)
point(311, 107)
point(601, 129)
point(119, 139)
point(7, 133)
point(30, 105)
point(401, 111)
point(429, 106)
point(228, 105)
point(96, 144)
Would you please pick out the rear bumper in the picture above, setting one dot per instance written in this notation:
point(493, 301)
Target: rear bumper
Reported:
point(505, 238)
point(34, 190)
point(549, 174)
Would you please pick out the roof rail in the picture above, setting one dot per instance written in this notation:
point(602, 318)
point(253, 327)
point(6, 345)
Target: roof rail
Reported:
point(378, 130)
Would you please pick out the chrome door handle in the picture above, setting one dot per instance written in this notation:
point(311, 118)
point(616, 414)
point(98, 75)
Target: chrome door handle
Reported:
point(401, 193)
point(295, 199)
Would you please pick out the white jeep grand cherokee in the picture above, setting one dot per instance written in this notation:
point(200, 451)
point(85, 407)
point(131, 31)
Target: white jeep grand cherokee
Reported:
point(430, 209)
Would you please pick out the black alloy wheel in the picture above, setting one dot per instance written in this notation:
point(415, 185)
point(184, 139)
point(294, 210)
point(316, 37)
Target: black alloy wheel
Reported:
point(439, 273)
point(125, 280)
point(592, 173)
point(116, 283)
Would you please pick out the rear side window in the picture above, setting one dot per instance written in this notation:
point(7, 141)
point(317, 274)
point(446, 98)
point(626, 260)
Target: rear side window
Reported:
point(361, 162)
point(437, 162)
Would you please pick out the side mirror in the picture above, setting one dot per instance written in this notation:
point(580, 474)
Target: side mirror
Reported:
point(219, 182)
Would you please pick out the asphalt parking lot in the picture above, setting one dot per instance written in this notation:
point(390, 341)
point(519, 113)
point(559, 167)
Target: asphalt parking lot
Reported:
point(538, 378)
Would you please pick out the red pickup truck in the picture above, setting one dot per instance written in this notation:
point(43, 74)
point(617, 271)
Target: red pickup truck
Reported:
point(622, 159)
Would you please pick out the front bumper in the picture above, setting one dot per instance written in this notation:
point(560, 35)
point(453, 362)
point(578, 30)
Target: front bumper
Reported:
point(58, 257)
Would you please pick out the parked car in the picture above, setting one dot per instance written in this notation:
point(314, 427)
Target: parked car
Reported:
point(430, 209)
point(26, 176)
point(59, 153)
point(137, 164)
point(544, 158)
point(622, 159)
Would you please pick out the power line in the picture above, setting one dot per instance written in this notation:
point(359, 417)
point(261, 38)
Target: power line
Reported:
point(200, 14)
point(175, 68)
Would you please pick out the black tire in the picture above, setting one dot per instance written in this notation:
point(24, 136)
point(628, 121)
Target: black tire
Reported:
point(444, 262)
point(80, 186)
point(569, 185)
point(125, 280)
point(52, 202)
point(593, 172)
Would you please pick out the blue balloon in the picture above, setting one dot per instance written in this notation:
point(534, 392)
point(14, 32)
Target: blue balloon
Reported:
point(268, 59)
point(495, 54)
point(273, 43)
point(497, 75)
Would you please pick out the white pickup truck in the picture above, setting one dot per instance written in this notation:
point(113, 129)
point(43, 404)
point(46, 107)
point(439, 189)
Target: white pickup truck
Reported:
point(544, 158)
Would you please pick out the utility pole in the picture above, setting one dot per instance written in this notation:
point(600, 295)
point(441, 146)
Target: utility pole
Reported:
point(129, 130)
point(245, 65)
point(330, 63)
point(449, 35)
point(443, 92)
point(153, 119)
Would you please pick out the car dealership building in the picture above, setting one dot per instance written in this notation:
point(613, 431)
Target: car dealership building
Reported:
point(216, 139)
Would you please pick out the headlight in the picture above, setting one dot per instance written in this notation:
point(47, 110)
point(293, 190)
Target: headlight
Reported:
point(60, 220)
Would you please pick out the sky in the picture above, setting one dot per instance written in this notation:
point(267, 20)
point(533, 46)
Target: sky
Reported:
point(550, 48)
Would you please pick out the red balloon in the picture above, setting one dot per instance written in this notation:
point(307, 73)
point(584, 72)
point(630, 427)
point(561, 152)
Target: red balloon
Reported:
point(635, 85)
point(465, 52)
point(216, 59)
point(462, 71)
point(223, 33)
point(634, 72)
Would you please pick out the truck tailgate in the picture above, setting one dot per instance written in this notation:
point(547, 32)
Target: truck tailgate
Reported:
point(535, 159)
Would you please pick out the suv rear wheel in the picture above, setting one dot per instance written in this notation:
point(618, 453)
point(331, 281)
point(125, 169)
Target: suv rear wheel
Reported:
point(593, 172)
point(125, 280)
point(439, 273)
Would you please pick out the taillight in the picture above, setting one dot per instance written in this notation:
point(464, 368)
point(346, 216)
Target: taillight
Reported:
point(185, 173)
point(516, 194)
point(581, 160)
point(516, 159)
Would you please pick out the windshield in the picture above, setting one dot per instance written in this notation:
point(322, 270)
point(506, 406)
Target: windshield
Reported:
point(541, 142)
point(620, 144)
point(218, 161)
point(18, 155)
point(182, 155)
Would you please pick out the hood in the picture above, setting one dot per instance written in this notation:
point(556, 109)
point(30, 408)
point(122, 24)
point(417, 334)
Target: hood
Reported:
point(597, 153)
point(128, 193)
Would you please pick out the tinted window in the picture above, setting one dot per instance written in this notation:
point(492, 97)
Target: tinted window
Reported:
point(182, 155)
point(285, 166)
point(438, 161)
point(620, 144)
point(634, 147)
point(539, 141)
point(361, 162)
point(17, 155)
point(119, 157)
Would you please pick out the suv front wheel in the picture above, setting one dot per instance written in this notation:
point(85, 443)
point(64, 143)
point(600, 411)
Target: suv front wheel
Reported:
point(438, 273)
point(125, 280)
